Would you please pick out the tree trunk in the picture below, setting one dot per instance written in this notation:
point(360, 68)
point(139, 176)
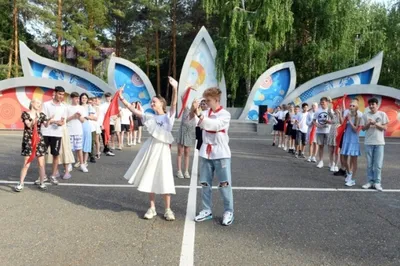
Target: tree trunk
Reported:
point(117, 38)
point(158, 64)
point(174, 4)
point(148, 59)
point(91, 57)
point(15, 17)
point(10, 59)
point(59, 30)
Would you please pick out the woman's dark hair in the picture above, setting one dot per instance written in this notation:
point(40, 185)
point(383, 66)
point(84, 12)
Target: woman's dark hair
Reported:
point(80, 97)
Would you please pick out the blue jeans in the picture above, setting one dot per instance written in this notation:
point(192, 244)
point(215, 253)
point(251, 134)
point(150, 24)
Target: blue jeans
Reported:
point(374, 162)
point(222, 169)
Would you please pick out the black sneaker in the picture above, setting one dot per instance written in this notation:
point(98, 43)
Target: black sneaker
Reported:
point(92, 160)
point(341, 172)
point(273, 144)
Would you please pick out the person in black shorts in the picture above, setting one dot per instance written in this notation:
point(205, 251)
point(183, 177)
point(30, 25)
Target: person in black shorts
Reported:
point(137, 125)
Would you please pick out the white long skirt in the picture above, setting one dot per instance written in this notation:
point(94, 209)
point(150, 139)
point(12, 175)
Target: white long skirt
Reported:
point(151, 170)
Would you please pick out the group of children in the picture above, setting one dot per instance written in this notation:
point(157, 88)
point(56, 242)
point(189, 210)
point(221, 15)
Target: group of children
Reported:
point(70, 133)
point(63, 129)
point(331, 125)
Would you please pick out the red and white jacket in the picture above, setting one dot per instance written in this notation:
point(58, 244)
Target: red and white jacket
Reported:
point(215, 127)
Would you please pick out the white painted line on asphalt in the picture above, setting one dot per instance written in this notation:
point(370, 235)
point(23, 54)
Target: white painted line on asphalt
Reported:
point(304, 189)
point(187, 251)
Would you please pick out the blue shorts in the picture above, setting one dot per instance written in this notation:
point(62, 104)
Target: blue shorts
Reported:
point(76, 142)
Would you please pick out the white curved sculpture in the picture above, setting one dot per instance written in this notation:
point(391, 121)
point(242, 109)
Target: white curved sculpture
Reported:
point(199, 69)
point(367, 73)
point(270, 89)
point(37, 66)
point(138, 87)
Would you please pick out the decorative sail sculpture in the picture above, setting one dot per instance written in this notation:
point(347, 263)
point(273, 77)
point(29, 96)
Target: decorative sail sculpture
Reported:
point(270, 89)
point(367, 73)
point(199, 69)
point(137, 85)
point(40, 67)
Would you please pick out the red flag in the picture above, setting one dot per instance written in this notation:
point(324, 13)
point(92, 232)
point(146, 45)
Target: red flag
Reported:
point(184, 101)
point(312, 133)
point(34, 140)
point(340, 132)
point(112, 110)
point(265, 116)
point(343, 100)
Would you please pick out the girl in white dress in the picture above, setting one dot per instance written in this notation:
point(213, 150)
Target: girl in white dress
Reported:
point(151, 170)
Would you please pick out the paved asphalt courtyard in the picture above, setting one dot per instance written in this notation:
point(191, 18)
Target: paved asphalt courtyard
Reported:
point(287, 212)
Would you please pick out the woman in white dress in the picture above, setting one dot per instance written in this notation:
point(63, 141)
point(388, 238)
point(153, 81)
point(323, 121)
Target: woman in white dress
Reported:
point(151, 170)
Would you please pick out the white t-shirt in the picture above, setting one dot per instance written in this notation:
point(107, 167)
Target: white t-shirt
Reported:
point(321, 117)
point(125, 114)
point(219, 141)
point(55, 112)
point(295, 117)
point(74, 125)
point(374, 136)
point(302, 118)
point(93, 123)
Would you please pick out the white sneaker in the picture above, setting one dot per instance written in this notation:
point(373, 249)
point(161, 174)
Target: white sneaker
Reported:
point(150, 214)
point(187, 175)
point(350, 183)
point(227, 218)
point(69, 167)
point(320, 164)
point(77, 165)
point(336, 169)
point(19, 187)
point(37, 182)
point(332, 168)
point(378, 187)
point(285, 148)
point(367, 186)
point(139, 142)
point(109, 153)
point(169, 215)
point(43, 186)
point(348, 178)
point(313, 159)
point(279, 146)
point(204, 215)
point(84, 168)
point(53, 180)
point(309, 159)
point(134, 143)
point(179, 174)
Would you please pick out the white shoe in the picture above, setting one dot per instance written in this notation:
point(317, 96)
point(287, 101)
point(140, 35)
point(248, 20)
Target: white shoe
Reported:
point(313, 159)
point(134, 143)
point(179, 174)
point(53, 180)
point(367, 186)
point(336, 169)
point(285, 148)
point(332, 168)
point(69, 167)
point(279, 146)
point(378, 187)
point(320, 164)
point(84, 168)
point(169, 215)
point(350, 183)
point(309, 159)
point(187, 175)
point(348, 178)
point(139, 142)
point(227, 218)
point(150, 214)
point(19, 187)
point(77, 165)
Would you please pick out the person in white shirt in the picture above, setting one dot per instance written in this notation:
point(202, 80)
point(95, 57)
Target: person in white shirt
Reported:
point(93, 127)
point(96, 106)
point(276, 124)
point(103, 110)
point(215, 156)
point(74, 123)
point(311, 137)
point(125, 124)
point(375, 123)
point(302, 129)
point(52, 134)
point(321, 119)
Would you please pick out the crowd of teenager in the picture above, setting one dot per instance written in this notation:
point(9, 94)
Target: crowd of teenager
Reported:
point(338, 128)
point(69, 135)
